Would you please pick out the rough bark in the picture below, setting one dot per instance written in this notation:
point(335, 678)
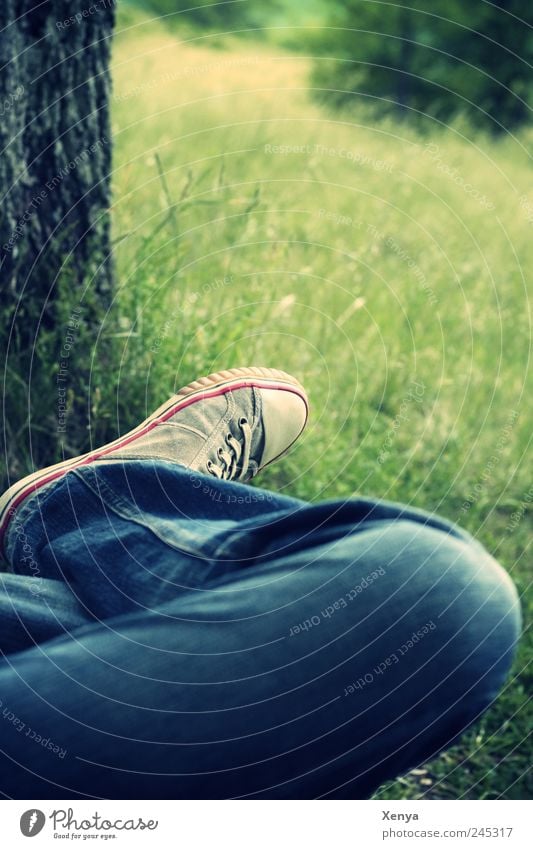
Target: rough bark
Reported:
point(55, 163)
point(55, 145)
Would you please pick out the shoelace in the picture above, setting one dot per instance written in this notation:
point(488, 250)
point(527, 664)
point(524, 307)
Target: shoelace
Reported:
point(233, 457)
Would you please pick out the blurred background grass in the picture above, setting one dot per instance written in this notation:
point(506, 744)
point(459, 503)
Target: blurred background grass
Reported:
point(255, 227)
point(381, 260)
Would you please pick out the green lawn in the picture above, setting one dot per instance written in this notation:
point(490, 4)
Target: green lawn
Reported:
point(387, 271)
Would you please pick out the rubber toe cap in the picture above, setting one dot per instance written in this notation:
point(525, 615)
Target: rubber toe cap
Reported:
point(284, 418)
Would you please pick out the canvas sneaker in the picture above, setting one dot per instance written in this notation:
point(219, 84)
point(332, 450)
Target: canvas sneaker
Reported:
point(230, 424)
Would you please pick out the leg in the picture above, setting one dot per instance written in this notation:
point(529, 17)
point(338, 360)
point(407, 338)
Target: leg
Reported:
point(313, 651)
point(228, 425)
point(130, 536)
point(33, 610)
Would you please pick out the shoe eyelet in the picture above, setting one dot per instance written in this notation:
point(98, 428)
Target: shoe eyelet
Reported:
point(243, 420)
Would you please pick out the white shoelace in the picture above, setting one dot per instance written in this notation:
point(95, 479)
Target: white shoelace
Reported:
point(233, 458)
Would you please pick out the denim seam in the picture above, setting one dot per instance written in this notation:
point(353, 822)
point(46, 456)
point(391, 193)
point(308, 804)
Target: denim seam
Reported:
point(122, 508)
point(36, 501)
point(234, 539)
point(222, 550)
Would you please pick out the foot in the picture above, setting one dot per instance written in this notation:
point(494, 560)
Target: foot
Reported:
point(230, 424)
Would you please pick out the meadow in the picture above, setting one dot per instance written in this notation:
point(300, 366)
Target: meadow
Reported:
point(385, 269)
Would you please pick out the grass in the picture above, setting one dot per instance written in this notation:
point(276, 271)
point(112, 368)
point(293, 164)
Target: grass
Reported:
point(362, 263)
point(358, 258)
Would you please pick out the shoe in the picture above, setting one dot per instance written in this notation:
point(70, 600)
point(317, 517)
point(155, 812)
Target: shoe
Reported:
point(230, 424)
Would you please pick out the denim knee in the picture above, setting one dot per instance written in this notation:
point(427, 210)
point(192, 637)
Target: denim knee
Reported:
point(470, 598)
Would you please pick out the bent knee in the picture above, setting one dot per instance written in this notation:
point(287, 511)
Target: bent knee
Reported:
point(469, 596)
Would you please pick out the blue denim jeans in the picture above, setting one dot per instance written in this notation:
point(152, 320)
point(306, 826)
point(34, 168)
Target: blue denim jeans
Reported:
point(168, 635)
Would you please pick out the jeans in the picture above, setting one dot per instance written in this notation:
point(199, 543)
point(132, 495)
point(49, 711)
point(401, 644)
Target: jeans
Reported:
point(169, 635)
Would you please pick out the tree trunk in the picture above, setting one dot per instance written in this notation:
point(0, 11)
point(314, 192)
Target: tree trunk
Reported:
point(55, 163)
point(403, 80)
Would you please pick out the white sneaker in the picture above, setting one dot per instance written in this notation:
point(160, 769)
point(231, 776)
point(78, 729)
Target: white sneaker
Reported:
point(230, 424)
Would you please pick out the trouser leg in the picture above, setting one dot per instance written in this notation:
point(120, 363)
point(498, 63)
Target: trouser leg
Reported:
point(327, 649)
point(33, 610)
point(131, 536)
